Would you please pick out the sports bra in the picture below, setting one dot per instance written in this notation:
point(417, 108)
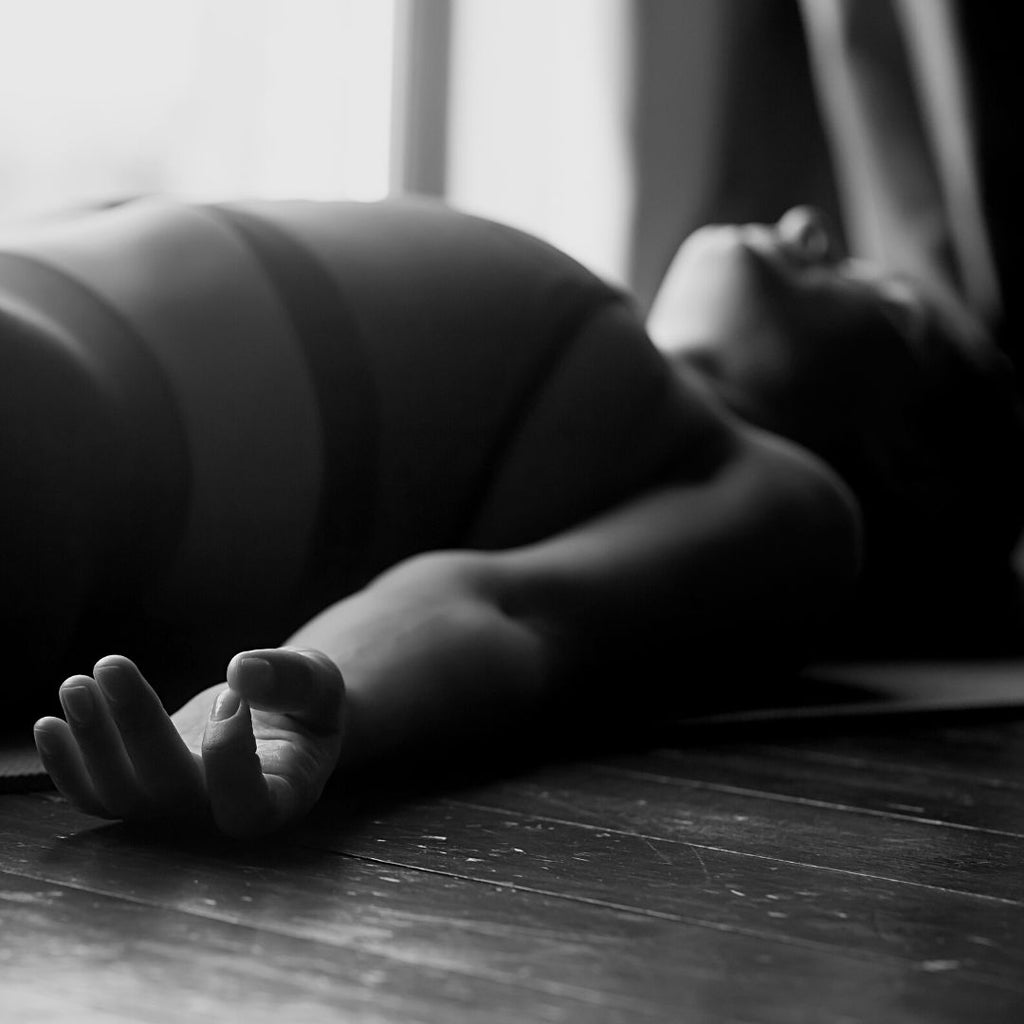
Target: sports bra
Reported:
point(300, 390)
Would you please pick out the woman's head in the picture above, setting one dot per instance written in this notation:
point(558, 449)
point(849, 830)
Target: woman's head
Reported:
point(890, 381)
point(794, 338)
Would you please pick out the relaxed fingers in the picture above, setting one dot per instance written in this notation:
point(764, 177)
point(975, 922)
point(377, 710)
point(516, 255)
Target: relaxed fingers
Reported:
point(100, 746)
point(63, 763)
point(165, 769)
point(235, 785)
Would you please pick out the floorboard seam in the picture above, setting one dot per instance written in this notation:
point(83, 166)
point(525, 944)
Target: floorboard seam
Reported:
point(1007, 901)
point(851, 761)
point(723, 787)
point(587, 996)
point(864, 957)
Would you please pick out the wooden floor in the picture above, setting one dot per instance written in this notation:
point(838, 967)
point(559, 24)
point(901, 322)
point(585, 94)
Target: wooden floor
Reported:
point(863, 872)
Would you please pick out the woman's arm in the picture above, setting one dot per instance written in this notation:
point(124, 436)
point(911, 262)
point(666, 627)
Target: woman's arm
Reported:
point(451, 647)
point(754, 557)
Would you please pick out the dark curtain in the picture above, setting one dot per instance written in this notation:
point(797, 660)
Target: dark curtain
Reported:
point(725, 123)
point(994, 61)
point(898, 117)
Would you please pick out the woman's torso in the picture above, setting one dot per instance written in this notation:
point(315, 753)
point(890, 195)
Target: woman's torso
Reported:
point(296, 395)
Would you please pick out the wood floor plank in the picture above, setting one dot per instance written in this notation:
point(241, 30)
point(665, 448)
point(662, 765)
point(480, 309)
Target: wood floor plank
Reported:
point(102, 954)
point(778, 902)
point(992, 750)
point(119, 953)
point(908, 851)
point(765, 896)
point(899, 790)
point(872, 876)
point(574, 951)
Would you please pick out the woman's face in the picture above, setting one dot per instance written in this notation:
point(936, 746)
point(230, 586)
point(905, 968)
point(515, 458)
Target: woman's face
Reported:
point(795, 338)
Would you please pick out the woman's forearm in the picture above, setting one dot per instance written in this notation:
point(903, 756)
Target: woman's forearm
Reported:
point(452, 646)
point(429, 656)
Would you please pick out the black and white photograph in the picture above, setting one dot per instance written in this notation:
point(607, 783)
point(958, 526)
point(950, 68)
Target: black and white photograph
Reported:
point(511, 512)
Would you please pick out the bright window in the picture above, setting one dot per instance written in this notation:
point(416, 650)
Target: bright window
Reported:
point(539, 124)
point(198, 98)
point(210, 99)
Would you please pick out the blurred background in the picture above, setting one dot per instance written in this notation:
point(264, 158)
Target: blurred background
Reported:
point(611, 128)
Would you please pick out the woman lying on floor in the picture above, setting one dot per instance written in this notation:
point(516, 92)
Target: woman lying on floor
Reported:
point(453, 465)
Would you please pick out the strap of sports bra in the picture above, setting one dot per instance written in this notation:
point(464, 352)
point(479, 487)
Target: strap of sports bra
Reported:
point(346, 395)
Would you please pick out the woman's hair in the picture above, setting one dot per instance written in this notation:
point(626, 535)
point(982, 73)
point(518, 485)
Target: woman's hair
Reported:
point(943, 516)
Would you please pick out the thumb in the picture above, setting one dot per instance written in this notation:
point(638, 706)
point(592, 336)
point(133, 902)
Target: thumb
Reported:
point(240, 800)
point(301, 683)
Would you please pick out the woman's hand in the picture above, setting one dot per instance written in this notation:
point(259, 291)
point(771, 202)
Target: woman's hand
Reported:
point(246, 757)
